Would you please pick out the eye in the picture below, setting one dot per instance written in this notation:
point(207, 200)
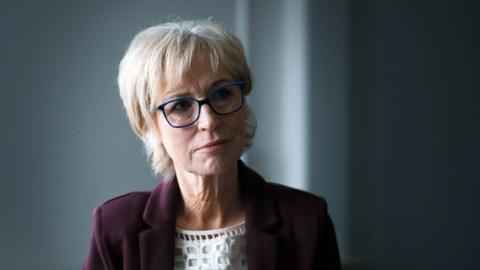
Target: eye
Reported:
point(223, 93)
point(179, 106)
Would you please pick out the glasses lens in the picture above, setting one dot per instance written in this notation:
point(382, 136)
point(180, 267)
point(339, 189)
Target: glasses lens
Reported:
point(226, 99)
point(181, 112)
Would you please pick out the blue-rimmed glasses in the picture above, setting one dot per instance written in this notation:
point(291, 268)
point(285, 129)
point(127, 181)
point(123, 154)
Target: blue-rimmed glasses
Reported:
point(183, 112)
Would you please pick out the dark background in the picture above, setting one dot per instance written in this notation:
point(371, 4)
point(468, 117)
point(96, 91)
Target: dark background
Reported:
point(392, 136)
point(416, 155)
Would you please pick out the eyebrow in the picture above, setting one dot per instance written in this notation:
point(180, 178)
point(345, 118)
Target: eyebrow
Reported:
point(185, 93)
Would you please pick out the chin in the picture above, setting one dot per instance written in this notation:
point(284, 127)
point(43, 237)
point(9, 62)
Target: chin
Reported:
point(216, 165)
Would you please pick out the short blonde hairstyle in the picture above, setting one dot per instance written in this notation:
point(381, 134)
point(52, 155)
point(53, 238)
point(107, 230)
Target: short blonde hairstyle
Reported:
point(159, 56)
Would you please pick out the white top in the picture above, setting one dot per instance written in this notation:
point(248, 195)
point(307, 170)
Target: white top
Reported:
point(223, 248)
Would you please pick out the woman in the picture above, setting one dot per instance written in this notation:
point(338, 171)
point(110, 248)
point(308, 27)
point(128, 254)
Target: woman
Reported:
point(183, 85)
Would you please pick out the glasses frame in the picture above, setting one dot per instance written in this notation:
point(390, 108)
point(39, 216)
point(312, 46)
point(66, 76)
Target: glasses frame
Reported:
point(202, 102)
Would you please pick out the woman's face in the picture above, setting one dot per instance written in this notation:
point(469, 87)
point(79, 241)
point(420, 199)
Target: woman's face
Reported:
point(214, 143)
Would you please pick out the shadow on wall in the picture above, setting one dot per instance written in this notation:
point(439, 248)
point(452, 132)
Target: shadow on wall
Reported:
point(415, 148)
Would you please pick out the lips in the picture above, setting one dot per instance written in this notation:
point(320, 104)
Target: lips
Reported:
point(212, 146)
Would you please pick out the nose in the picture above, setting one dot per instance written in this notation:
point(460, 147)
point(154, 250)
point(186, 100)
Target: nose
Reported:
point(208, 119)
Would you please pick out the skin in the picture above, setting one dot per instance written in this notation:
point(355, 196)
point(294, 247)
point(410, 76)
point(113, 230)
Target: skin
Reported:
point(207, 175)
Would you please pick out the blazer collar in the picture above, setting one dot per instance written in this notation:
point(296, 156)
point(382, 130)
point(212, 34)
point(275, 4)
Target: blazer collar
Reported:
point(162, 203)
point(157, 244)
point(260, 205)
point(261, 220)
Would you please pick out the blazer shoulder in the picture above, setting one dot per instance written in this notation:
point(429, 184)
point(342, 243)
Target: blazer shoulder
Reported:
point(133, 200)
point(127, 198)
point(123, 212)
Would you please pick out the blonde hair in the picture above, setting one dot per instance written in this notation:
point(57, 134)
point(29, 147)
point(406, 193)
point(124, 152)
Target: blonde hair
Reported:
point(160, 56)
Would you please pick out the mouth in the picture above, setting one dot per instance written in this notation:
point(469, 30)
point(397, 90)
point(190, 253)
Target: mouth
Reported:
point(212, 146)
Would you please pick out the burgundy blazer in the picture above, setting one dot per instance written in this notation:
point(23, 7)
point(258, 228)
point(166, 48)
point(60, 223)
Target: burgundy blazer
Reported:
point(286, 228)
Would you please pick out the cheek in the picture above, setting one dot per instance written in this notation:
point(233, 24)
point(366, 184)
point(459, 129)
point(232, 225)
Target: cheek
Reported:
point(167, 135)
point(173, 138)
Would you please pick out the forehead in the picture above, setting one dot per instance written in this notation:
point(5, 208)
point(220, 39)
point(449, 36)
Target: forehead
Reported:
point(199, 77)
point(199, 71)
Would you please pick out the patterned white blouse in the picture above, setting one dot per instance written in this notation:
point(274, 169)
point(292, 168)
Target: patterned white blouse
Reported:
point(223, 248)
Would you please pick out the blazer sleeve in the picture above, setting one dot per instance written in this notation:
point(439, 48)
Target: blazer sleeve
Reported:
point(327, 249)
point(98, 256)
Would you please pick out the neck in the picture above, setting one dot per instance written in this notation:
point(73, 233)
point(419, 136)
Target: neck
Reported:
point(209, 202)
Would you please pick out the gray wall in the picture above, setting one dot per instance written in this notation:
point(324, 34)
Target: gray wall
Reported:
point(371, 104)
point(415, 134)
point(66, 145)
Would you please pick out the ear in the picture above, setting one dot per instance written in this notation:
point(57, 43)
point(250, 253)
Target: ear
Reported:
point(156, 132)
point(152, 135)
point(246, 112)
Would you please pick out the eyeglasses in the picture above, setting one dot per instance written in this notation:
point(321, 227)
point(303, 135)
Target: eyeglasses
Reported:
point(223, 100)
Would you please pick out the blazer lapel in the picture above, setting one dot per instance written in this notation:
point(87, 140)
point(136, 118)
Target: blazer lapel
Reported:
point(262, 250)
point(261, 220)
point(157, 248)
point(157, 244)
